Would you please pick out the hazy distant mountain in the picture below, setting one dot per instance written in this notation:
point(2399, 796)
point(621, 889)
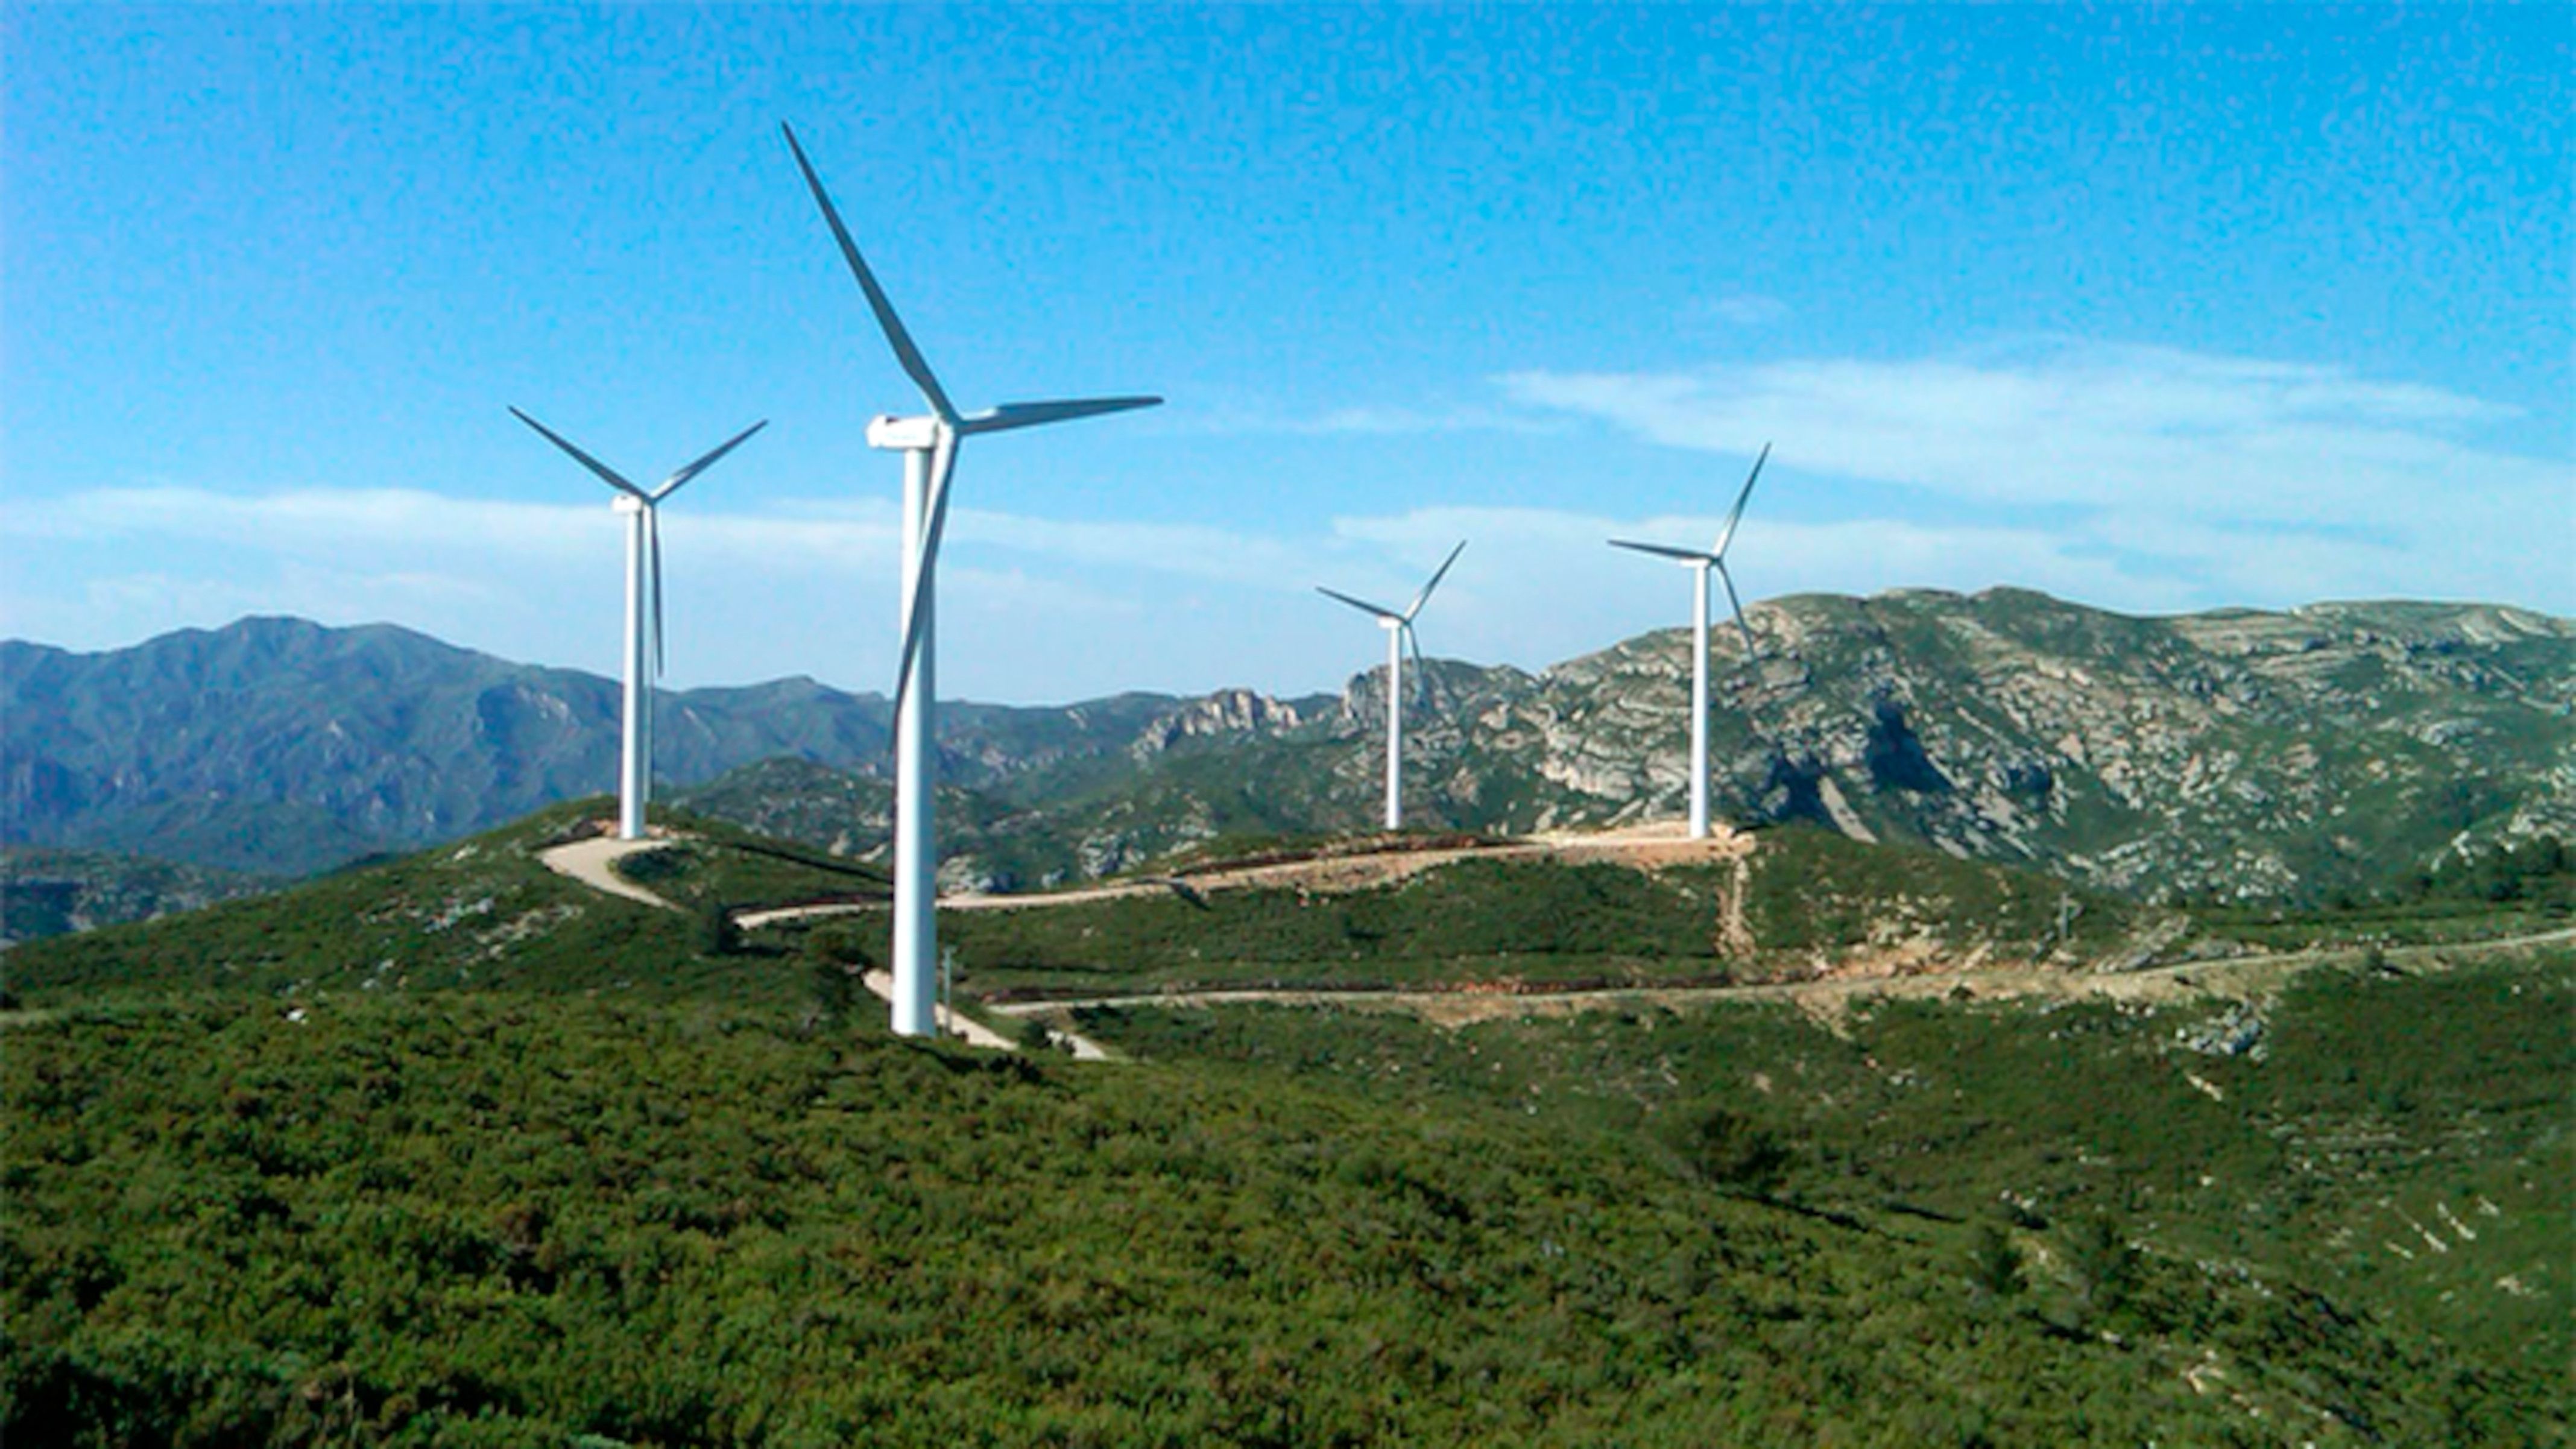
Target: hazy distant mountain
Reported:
point(279, 745)
point(53, 892)
point(2271, 753)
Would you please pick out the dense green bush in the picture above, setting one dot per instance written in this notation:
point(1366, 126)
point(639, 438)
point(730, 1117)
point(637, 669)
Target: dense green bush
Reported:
point(1731, 1150)
point(1994, 1266)
point(526, 1219)
point(456, 1151)
point(2379, 1103)
point(2101, 1262)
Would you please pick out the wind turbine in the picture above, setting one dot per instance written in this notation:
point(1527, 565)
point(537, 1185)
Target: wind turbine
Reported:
point(642, 508)
point(929, 447)
point(1700, 564)
point(1399, 631)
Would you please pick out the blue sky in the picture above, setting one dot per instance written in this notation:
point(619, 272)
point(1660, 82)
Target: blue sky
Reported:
point(2154, 308)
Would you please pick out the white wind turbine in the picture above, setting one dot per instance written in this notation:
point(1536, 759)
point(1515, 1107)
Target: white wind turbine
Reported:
point(642, 508)
point(1700, 564)
point(929, 447)
point(1399, 631)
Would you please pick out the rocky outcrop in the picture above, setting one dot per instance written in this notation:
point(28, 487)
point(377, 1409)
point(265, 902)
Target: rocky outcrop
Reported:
point(1226, 712)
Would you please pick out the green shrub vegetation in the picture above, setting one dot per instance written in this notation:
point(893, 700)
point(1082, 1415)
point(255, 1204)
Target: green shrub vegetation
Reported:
point(513, 1219)
point(480, 914)
point(2373, 1115)
point(451, 1150)
point(1812, 898)
point(2491, 890)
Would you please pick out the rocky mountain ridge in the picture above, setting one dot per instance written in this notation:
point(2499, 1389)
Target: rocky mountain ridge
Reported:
point(2238, 752)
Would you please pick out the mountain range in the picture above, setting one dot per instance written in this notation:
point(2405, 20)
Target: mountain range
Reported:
point(2289, 755)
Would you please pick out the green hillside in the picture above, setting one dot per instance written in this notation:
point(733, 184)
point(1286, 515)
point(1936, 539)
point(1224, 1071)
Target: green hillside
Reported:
point(2394, 1142)
point(494, 1218)
point(1809, 900)
point(452, 1149)
point(478, 914)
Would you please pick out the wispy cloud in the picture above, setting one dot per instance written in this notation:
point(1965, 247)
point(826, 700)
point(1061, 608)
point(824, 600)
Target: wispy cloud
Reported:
point(1746, 309)
point(1031, 608)
point(1372, 420)
point(2211, 464)
point(2067, 422)
point(338, 524)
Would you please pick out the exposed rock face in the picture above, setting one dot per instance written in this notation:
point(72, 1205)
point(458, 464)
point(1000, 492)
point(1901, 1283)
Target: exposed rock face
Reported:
point(1226, 712)
point(2235, 753)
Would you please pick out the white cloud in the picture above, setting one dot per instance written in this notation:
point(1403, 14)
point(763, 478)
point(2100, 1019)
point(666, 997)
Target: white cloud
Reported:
point(1191, 551)
point(2066, 422)
point(1746, 309)
point(1031, 608)
point(2255, 481)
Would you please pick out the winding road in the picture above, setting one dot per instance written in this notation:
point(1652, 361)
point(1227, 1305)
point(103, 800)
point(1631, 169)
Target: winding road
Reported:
point(591, 861)
point(1826, 998)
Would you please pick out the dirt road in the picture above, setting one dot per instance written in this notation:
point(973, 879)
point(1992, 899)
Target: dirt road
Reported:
point(1646, 847)
point(588, 861)
point(1826, 999)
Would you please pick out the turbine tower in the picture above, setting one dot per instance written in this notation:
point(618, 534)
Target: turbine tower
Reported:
point(1399, 631)
point(929, 447)
point(642, 509)
point(1700, 564)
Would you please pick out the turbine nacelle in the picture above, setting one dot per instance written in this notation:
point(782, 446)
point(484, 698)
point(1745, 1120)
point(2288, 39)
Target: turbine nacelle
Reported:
point(903, 435)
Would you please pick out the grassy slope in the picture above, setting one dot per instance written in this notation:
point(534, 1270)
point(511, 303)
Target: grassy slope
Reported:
point(47, 892)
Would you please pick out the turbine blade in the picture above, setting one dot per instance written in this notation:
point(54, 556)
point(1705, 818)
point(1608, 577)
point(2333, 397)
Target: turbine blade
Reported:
point(607, 474)
point(1752, 651)
point(1686, 555)
point(653, 545)
point(1425, 596)
point(1363, 605)
point(906, 355)
point(1031, 414)
point(1421, 673)
point(1734, 515)
point(943, 463)
point(672, 484)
